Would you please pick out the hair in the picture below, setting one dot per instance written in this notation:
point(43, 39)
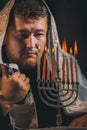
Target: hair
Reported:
point(28, 9)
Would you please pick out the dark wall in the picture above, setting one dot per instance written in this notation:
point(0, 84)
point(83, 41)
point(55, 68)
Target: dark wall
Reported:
point(2, 3)
point(71, 20)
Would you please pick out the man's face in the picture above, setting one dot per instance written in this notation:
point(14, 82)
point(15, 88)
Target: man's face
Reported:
point(22, 40)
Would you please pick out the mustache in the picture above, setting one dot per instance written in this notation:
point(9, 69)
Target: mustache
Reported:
point(30, 50)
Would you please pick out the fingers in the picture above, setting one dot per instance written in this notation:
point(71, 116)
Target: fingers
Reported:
point(21, 78)
point(4, 71)
point(15, 75)
point(27, 81)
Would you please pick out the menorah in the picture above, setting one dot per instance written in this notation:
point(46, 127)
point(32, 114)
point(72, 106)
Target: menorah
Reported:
point(55, 90)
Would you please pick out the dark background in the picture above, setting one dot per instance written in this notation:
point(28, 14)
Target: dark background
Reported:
point(71, 20)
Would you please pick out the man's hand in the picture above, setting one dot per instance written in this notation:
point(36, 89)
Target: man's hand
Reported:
point(79, 122)
point(13, 88)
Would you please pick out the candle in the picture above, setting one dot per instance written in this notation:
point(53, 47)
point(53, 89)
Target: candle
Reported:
point(52, 64)
point(38, 64)
point(65, 61)
point(48, 70)
point(57, 59)
point(44, 66)
point(67, 68)
point(76, 64)
point(76, 70)
point(71, 66)
point(63, 69)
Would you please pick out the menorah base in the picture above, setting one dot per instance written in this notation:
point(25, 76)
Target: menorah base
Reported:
point(61, 128)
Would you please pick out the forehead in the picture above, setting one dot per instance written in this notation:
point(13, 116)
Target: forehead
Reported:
point(40, 23)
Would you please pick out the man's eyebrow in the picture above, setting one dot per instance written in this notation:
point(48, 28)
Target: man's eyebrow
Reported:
point(28, 32)
point(40, 30)
point(22, 31)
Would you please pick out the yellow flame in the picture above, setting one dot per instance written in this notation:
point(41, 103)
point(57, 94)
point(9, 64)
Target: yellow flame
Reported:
point(45, 48)
point(71, 50)
point(64, 45)
point(39, 48)
point(48, 51)
point(75, 48)
point(52, 50)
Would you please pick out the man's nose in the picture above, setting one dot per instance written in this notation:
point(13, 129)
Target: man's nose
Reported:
point(30, 41)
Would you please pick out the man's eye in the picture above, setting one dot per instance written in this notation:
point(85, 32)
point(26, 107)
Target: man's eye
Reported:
point(21, 36)
point(39, 35)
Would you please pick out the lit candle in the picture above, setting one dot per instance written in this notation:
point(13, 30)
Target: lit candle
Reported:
point(57, 60)
point(48, 70)
point(38, 64)
point(71, 66)
point(76, 64)
point(63, 69)
point(67, 69)
point(53, 64)
point(64, 65)
point(44, 66)
point(76, 70)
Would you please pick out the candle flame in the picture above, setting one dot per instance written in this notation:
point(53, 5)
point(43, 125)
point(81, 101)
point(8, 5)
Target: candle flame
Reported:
point(70, 50)
point(39, 48)
point(45, 48)
point(64, 45)
point(52, 50)
point(48, 50)
point(75, 48)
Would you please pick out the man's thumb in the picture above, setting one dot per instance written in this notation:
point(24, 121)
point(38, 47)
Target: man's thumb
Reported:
point(4, 71)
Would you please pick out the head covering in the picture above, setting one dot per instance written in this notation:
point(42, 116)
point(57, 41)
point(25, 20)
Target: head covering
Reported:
point(53, 41)
point(4, 17)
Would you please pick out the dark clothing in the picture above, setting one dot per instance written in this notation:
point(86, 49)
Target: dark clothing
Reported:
point(4, 122)
point(46, 115)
